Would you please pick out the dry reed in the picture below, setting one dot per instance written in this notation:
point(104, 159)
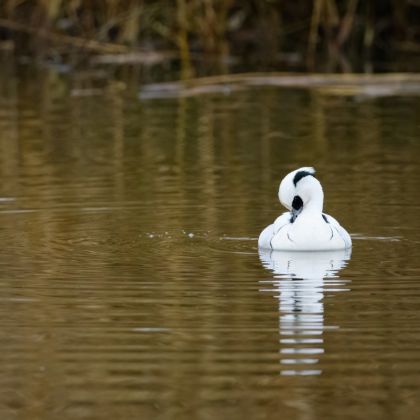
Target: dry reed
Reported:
point(270, 30)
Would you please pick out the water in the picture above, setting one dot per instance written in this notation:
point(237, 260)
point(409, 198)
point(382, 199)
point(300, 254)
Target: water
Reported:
point(130, 281)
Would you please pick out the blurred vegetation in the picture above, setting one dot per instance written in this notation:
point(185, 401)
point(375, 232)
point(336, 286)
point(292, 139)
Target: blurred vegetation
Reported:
point(276, 34)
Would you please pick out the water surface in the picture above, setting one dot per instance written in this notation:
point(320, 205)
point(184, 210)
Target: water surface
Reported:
point(130, 281)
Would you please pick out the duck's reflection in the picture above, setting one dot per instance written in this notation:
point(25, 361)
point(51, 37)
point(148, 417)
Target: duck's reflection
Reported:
point(302, 279)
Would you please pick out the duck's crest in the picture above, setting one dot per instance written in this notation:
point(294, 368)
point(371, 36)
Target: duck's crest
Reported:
point(301, 174)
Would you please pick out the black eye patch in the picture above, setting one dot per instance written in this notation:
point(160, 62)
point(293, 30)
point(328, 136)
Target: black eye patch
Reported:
point(297, 203)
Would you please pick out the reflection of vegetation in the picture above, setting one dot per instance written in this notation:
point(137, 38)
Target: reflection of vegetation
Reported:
point(272, 32)
point(188, 151)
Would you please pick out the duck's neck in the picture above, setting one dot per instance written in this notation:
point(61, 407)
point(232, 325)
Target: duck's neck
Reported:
point(315, 204)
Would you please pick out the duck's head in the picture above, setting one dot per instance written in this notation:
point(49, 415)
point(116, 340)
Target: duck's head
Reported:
point(300, 189)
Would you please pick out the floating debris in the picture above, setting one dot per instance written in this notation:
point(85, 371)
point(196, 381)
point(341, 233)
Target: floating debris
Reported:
point(358, 86)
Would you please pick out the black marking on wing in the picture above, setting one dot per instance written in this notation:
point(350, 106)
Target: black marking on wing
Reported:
point(299, 175)
point(340, 236)
point(325, 218)
point(275, 233)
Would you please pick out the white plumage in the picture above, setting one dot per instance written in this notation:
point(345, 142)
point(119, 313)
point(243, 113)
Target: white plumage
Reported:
point(304, 227)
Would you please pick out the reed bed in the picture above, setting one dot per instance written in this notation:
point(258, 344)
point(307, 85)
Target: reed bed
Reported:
point(302, 32)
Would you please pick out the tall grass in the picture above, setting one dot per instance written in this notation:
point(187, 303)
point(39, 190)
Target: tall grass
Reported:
point(267, 30)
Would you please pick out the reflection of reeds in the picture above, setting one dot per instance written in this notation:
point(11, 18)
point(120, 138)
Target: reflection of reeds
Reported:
point(214, 28)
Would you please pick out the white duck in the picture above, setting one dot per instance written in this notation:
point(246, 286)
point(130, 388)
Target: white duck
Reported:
point(304, 227)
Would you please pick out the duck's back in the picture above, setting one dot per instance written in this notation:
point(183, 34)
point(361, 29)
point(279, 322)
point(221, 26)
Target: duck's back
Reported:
point(322, 233)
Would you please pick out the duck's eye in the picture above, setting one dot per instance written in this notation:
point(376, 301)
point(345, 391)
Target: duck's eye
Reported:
point(297, 203)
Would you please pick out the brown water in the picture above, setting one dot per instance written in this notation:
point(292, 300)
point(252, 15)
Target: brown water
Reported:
point(130, 281)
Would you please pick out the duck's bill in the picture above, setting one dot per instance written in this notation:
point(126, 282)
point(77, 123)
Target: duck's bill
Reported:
point(295, 213)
